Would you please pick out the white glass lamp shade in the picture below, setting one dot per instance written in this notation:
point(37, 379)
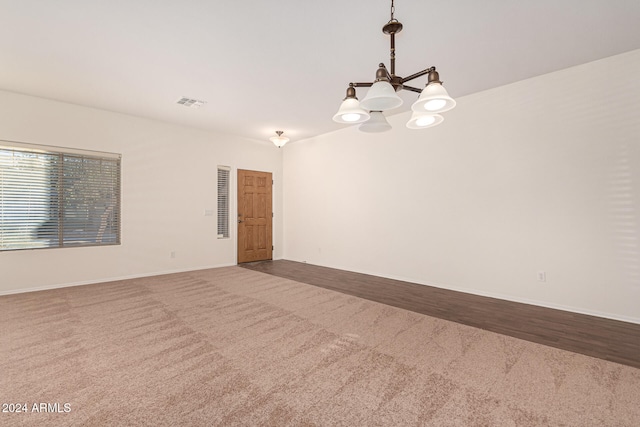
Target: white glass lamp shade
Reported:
point(423, 121)
point(381, 97)
point(279, 140)
point(350, 112)
point(377, 123)
point(433, 99)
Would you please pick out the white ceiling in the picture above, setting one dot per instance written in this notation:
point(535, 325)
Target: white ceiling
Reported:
point(285, 64)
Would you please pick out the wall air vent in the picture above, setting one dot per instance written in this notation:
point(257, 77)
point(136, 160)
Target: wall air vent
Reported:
point(190, 102)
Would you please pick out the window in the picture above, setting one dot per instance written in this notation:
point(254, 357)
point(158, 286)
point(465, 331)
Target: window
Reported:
point(223, 201)
point(54, 199)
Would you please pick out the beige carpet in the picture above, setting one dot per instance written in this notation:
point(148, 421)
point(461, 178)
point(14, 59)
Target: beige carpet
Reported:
point(231, 347)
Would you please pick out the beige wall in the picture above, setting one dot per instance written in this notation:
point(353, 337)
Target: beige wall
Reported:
point(540, 175)
point(169, 177)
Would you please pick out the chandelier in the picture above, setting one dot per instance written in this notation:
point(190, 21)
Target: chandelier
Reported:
point(382, 95)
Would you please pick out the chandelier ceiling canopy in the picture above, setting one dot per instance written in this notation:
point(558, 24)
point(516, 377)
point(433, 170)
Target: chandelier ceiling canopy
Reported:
point(382, 95)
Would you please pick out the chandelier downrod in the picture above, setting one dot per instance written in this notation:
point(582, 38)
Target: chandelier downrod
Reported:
point(391, 28)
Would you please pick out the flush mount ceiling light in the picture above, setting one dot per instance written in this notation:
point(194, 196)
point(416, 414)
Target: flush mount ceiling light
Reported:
point(382, 95)
point(279, 140)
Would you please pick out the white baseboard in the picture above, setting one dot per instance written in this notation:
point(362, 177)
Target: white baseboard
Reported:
point(393, 277)
point(511, 298)
point(108, 279)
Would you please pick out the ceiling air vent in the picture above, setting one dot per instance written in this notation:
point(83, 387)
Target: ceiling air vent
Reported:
point(189, 102)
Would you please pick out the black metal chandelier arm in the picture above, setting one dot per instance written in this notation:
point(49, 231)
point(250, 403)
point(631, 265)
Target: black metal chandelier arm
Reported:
point(412, 89)
point(361, 84)
point(418, 74)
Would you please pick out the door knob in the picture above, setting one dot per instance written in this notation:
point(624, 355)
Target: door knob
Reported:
point(239, 221)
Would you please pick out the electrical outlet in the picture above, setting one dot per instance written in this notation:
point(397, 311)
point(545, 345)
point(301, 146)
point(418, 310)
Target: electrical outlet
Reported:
point(173, 254)
point(542, 276)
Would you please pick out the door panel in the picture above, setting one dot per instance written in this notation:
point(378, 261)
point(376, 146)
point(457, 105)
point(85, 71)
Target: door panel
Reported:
point(254, 216)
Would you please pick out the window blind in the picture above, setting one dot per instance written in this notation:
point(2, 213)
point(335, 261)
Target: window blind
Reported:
point(223, 201)
point(51, 199)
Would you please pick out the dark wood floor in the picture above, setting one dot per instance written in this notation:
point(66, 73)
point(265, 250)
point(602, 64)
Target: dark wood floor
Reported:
point(593, 336)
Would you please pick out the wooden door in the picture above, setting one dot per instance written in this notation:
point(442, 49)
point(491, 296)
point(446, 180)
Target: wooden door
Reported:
point(254, 216)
